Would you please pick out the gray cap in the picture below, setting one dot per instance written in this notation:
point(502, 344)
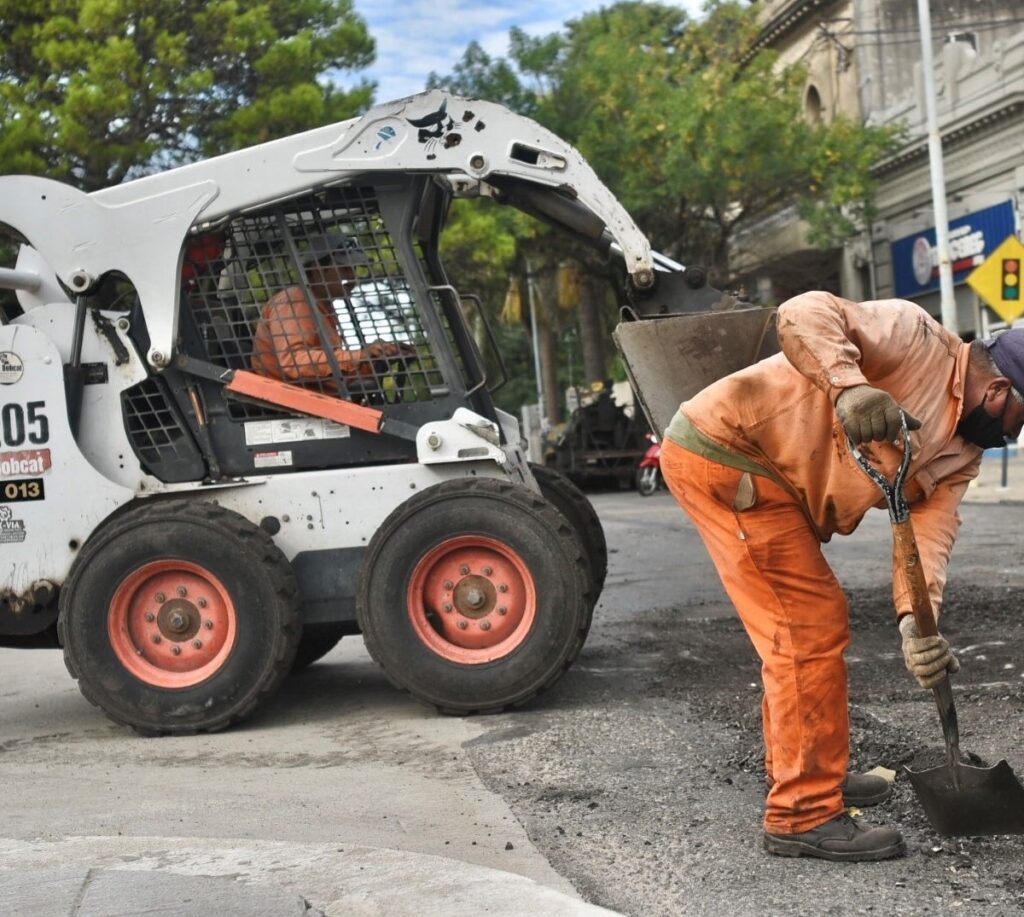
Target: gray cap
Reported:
point(334, 244)
point(1007, 351)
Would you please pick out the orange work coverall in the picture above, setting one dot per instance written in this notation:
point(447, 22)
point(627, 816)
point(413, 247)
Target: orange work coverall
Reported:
point(288, 345)
point(761, 463)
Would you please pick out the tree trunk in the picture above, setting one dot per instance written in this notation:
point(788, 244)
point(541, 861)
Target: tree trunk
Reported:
point(592, 334)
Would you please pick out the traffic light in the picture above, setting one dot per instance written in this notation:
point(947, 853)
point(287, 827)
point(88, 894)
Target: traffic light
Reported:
point(1011, 278)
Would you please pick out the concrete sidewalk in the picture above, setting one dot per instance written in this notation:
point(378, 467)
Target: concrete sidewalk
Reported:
point(342, 798)
point(122, 876)
point(989, 486)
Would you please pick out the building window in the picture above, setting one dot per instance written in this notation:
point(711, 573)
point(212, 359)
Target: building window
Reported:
point(812, 105)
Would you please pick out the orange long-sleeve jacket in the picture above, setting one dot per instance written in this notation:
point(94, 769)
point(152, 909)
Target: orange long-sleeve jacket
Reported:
point(779, 414)
point(288, 345)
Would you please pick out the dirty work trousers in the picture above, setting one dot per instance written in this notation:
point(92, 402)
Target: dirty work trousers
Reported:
point(793, 608)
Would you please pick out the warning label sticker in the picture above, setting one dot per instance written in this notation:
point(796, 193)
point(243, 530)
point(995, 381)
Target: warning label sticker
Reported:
point(272, 459)
point(12, 531)
point(26, 462)
point(271, 432)
point(11, 368)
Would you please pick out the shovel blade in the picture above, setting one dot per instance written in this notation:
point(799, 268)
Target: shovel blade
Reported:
point(990, 800)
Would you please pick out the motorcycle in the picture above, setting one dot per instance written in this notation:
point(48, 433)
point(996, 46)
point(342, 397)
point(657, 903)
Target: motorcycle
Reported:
point(648, 472)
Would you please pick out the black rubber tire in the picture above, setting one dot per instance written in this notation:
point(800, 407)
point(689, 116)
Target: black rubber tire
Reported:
point(255, 574)
point(569, 500)
point(646, 484)
point(515, 516)
point(317, 641)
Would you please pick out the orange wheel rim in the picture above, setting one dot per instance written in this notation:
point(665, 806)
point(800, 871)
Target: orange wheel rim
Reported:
point(172, 624)
point(472, 600)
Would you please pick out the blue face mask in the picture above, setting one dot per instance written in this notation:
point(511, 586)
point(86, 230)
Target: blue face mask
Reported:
point(981, 428)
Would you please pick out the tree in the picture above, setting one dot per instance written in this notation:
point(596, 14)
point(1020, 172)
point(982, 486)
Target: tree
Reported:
point(698, 133)
point(97, 91)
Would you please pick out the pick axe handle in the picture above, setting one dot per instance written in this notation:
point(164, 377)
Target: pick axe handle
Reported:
point(907, 560)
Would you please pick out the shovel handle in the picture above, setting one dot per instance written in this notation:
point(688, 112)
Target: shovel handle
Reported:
point(908, 561)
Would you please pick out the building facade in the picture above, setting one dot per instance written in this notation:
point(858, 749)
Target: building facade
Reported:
point(774, 259)
point(979, 58)
point(864, 61)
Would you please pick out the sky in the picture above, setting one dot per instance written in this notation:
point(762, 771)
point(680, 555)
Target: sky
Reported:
point(415, 37)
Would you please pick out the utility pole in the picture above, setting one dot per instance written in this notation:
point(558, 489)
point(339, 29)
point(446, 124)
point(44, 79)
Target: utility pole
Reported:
point(947, 296)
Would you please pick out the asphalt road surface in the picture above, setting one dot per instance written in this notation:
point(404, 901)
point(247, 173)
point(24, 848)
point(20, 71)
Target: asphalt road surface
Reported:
point(636, 780)
point(641, 779)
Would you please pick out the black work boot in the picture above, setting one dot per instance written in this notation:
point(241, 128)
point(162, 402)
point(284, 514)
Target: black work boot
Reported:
point(843, 839)
point(863, 790)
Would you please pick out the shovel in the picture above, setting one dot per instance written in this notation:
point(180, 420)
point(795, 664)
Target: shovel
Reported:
point(959, 798)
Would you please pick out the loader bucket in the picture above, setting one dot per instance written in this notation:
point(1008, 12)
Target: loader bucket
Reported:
point(670, 358)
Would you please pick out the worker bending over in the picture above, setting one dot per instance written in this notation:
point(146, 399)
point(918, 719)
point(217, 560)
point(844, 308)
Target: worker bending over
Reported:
point(761, 463)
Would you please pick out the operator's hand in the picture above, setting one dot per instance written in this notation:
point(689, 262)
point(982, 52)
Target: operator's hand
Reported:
point(379, 349)
point(382, 349)
point(928, 659)
point(868, 414)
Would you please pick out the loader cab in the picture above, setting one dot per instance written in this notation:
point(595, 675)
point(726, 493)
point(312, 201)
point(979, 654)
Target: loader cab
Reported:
point(253, 298)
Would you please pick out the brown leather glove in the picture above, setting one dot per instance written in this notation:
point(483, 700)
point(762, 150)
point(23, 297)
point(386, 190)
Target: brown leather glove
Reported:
point(928, 659)
point(868, 414)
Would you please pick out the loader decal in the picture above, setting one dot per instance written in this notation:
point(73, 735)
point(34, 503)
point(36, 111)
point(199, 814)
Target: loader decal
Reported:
point(32, 462)
point(19, 423)
point(25, 489)
point(12, 531)
point(385, 135)
point(11, 368)
point(437, 127)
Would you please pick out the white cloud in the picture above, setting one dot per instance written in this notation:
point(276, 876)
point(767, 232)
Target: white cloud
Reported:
point(415, 37)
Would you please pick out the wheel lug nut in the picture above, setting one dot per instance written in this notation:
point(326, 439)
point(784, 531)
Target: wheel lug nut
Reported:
point(176, 649)
point(463, 625)
point(182, 591)
point(503, 610)
point(488, 571)
point(208, 625)
point(503, 588)
point(464, 569)
point(485, 625)
point(157, 638)
point(202, 603)
point(161, 598)
point(447, 606)
point(448, 584)
point(150, 617)
point(198, 644)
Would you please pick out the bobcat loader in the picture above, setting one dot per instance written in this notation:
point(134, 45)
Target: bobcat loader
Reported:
point(241, 415)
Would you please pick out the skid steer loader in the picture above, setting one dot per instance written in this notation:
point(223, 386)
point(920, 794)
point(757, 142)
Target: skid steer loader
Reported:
point(243, 415)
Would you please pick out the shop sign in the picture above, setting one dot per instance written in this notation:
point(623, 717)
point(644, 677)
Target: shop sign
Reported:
point(915, 262)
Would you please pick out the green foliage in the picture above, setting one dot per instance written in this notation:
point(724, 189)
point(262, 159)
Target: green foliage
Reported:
point(93, 91)
point(697, 134)
point(479, 250)
point(481, 76)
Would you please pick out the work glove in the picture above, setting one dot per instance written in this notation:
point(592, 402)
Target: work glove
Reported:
point(868, 414)
point(928, 659)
